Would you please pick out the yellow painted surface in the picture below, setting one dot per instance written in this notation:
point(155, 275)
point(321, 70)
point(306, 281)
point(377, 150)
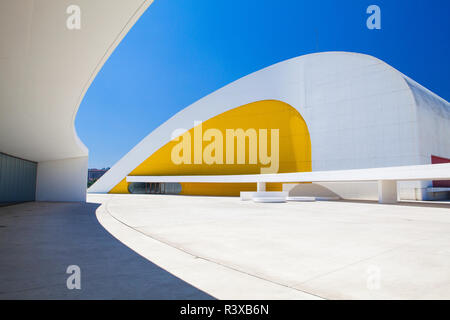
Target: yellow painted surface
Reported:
point(121, 187)
point(294, 150)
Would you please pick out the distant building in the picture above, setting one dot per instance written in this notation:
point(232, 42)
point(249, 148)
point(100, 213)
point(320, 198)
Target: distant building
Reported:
point(94, 174)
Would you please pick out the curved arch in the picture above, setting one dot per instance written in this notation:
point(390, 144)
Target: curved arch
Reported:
point(47, 70)
point(293, 153)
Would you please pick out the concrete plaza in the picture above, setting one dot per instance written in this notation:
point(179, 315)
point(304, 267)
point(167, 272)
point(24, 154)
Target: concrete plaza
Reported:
point(177, 247)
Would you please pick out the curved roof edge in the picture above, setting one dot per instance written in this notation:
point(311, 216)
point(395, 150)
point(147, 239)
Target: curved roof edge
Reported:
point(126, 28)
point(47, 68)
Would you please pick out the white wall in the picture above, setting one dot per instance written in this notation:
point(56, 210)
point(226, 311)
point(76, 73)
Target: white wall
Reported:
point(62, 180)
point(360, 114)
point(433, 118)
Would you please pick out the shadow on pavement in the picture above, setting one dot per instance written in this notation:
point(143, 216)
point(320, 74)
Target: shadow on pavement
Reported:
point(39, 240)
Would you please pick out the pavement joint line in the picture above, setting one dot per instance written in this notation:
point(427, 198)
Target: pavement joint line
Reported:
point(204, 258)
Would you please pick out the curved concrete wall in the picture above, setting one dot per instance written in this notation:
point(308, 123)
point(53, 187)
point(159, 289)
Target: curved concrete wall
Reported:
point(361, 113)
point(46, 69)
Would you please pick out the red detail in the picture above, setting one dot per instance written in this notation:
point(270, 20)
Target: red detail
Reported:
point(437, 160)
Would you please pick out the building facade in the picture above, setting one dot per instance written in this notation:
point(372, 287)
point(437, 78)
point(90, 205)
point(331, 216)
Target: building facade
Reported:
point(46, 68)
point(333, 111)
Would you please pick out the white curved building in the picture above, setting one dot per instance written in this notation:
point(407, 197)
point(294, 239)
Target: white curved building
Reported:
point(333, 110)
point(46, 67)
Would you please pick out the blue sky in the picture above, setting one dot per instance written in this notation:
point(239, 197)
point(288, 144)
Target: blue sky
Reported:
point(180, 51)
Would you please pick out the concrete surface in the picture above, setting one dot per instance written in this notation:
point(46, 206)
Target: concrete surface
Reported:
point(331, 250)
point(38, 241)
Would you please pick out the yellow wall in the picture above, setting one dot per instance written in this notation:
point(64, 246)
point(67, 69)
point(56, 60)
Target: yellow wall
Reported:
point(294, 149)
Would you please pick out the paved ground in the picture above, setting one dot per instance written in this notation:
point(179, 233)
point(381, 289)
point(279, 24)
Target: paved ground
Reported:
point(203, 248)
point(38, 241)
point(331, 250)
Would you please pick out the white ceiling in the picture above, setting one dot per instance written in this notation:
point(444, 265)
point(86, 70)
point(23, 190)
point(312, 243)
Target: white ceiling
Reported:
point(46, 69)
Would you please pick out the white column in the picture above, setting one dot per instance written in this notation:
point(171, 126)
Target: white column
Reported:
point(260, 186)
point(62, 180)
point(387, 191)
